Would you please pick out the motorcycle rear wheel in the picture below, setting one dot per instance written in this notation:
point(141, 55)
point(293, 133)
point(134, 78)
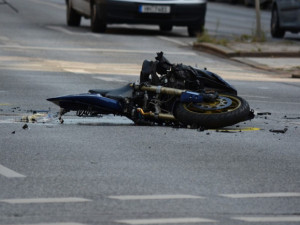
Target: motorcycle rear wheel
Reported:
point(225, 111)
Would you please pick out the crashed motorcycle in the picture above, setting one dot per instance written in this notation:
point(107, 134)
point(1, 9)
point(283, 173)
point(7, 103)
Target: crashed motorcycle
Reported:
point(166, 94)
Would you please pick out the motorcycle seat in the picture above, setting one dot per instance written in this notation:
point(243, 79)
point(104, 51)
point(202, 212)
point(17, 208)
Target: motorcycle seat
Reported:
point(118, 93)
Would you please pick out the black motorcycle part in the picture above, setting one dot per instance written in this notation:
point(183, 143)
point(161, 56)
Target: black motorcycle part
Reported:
point(149, 68)
point(225, 111)
point(119, 93)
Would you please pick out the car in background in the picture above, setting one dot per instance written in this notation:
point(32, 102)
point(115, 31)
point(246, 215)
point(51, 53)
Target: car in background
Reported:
point(263, 3)
point(250, 3)
point(165, 13)
point(285, 17)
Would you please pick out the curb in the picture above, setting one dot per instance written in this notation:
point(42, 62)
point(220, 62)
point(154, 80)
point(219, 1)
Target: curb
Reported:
point(224, 51)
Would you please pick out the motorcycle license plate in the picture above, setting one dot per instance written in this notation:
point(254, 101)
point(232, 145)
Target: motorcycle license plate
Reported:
point(155, 9)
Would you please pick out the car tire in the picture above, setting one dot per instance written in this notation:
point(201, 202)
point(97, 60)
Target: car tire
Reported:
point(276, 30)
point(193, 31)
point(98, 24)
point(248, 3)
point(165, 27)
point(73, 17)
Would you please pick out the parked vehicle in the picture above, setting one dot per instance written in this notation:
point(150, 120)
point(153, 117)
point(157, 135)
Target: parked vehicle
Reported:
point(249, 3)
point(263, 3)
point(285, 17)
point(170, 94)
point(165, 13)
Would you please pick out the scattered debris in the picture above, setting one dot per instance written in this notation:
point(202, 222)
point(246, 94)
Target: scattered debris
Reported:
point(36, 117)
point(264, 113)
point(13, 132)
point(226, 131)
point(238, 129)
point(200, 129)
point(279, 131)
point(292, 118)
point(25, 126)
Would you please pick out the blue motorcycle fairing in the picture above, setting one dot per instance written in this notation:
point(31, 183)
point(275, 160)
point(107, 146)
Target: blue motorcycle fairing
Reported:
point(189, 96)
point(95, 102)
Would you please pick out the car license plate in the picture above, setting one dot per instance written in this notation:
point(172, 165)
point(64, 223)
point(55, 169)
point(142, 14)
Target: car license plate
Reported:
point(154, 9)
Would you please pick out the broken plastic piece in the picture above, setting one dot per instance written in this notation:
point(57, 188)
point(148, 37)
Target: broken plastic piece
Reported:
point(264, 113)
point(279, 131)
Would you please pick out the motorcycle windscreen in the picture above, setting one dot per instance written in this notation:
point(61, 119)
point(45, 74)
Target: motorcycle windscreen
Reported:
point(94, 102)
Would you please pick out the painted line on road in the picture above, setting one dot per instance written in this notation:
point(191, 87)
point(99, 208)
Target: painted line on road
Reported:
point(154, 197)
point(9, 173)
point(271, 102)
point(254, 96)
point(64, 223)
point(166, 221)
point(92, 50)
point(66, 31)
point(268, 219)
point(172, 40)
point(263, 195)
point(43, 200)
point(50, 4)
point(63, 30)
point(237, 129)
point(110, 79)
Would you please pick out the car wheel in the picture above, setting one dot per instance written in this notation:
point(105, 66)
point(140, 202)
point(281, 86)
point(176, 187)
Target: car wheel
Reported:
point(97, 22)
point(233, 2)
point(73, 17)
point(193, 31)
point(276, 30)
point(248, 3)
point(165, 27)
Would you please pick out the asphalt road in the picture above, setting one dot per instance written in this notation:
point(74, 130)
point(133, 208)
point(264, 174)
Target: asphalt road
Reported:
point(109, 171)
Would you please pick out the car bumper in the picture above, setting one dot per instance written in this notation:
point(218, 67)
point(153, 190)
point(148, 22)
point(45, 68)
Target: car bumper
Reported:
point(188, 14)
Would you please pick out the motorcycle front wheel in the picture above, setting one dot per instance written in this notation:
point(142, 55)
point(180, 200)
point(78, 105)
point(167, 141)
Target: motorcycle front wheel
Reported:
point(225, 111)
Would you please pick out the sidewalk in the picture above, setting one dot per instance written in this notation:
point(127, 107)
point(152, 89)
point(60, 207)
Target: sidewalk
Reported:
point(282, 56)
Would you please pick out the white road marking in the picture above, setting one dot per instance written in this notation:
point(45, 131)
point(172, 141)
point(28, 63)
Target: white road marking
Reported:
point(92, 50)
point(263, 88)
point(50, 4)
point(79, 71)
point(43, 200)
point(9, 173)
point(166, 220)
point(254, 96)
point(172, 40)
point(63, 30)
point(263, 195)
point(66, 31)
point(271, 102)
point(109, 79)
point(268, 219)
point(67, 223)
point(154, 197)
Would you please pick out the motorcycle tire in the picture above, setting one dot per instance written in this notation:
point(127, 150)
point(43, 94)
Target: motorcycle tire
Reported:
point(225, 111)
